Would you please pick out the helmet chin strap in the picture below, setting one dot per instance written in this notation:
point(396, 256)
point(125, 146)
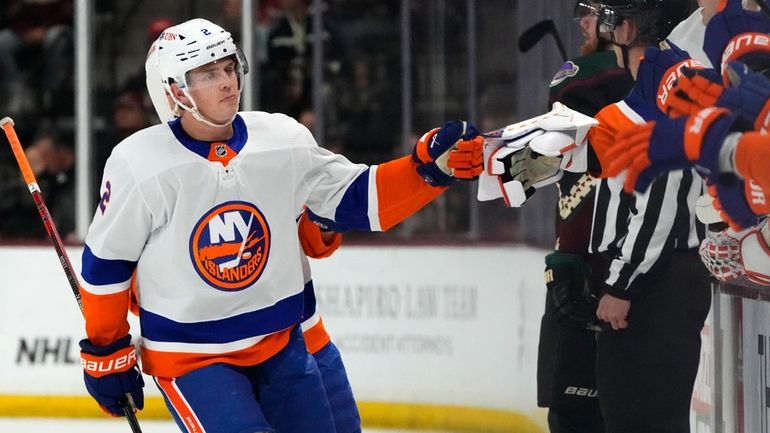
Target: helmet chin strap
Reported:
point(198, 115)
point(624, 48)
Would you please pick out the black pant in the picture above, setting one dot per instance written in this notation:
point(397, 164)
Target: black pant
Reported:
point(646, 372)
point(566, 378)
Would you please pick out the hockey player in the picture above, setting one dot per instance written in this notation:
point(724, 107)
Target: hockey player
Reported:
point(204, 209)
point(567, 347)
point(317, 243)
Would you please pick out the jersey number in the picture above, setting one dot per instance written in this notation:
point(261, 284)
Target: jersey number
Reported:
point(105, 197)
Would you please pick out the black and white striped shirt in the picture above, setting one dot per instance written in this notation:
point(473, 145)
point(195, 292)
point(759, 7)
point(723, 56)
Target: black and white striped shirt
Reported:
point(637, 231)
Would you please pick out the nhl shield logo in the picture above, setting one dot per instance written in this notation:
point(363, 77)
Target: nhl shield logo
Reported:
point(230, 245)
point(220, 150)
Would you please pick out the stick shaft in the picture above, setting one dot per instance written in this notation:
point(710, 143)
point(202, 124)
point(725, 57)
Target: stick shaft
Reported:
point(50, 228)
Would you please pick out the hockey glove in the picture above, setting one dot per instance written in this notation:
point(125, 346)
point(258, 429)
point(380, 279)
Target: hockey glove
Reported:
point(694, 90)
point(565, 277)
point(648, 150)
point(659, 71)
point(450, 153)
point(748, 97)
point(110, 372)
point(739, 203)
point(529, 168)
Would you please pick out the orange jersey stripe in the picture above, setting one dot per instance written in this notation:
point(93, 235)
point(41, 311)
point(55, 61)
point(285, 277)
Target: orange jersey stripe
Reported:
point(401, 191)
point(133, 297)
point(316, 337)
point(602, 136)
point(183, 410)
point(105, 316)
point(175, 364)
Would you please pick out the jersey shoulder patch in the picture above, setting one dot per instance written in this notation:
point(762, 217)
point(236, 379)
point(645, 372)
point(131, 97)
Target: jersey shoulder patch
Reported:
point(567, 70)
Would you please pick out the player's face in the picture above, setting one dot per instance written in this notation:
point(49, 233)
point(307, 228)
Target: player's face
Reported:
point(215, 89)
point(586, 14)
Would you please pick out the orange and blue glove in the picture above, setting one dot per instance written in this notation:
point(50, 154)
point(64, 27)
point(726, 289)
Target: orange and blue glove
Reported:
point(658, 73)
point(738, 202)
point(110, 372)
point(450, 153)
point(694, 90)
point(649, 150)
point(748, 97)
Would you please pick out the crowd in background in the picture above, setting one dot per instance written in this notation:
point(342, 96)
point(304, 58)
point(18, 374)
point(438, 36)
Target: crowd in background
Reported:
point(361, 85)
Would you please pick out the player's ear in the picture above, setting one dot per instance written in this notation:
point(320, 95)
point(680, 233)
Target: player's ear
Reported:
point(179, 94)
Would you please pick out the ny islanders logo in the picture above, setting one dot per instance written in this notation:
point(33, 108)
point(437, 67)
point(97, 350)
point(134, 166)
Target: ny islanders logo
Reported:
point(230, 245)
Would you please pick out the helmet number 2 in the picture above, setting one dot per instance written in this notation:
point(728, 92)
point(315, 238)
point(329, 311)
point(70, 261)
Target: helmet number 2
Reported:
point(206, 32)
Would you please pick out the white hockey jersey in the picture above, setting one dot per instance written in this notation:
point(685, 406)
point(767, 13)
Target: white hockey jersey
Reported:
point(210, 229)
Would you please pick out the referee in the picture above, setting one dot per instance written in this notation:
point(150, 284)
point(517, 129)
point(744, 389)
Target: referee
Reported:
point(656, 291)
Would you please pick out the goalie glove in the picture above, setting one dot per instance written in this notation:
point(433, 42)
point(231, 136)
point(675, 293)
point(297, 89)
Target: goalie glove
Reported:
point(531, 154)
point(450, 153)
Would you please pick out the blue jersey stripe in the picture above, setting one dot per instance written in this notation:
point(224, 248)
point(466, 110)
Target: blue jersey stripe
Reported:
point(282, 315)
point(202, 148)
point(353, 210)
point(309, 300)
point(638, 101)
point(100, 272)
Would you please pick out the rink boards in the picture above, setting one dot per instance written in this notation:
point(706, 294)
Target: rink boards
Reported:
point(432, 337)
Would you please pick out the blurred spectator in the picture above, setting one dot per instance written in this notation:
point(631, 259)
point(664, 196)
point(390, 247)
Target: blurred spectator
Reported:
point(156, 27)
point(367, 114)
point(37, 59)
point(136, 81)
point(52, 158)
point(130, 113)
point(286, 76)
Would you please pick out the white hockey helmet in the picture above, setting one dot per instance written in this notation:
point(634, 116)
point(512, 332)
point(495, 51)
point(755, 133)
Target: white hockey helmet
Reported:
point(164, 106)
point(186, 46)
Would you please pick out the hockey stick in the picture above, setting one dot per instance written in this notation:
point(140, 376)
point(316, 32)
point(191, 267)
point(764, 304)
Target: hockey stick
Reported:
point(29, 177)
point(530, 37)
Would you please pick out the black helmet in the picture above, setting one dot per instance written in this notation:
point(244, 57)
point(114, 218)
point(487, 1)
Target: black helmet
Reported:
point(654, 19)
